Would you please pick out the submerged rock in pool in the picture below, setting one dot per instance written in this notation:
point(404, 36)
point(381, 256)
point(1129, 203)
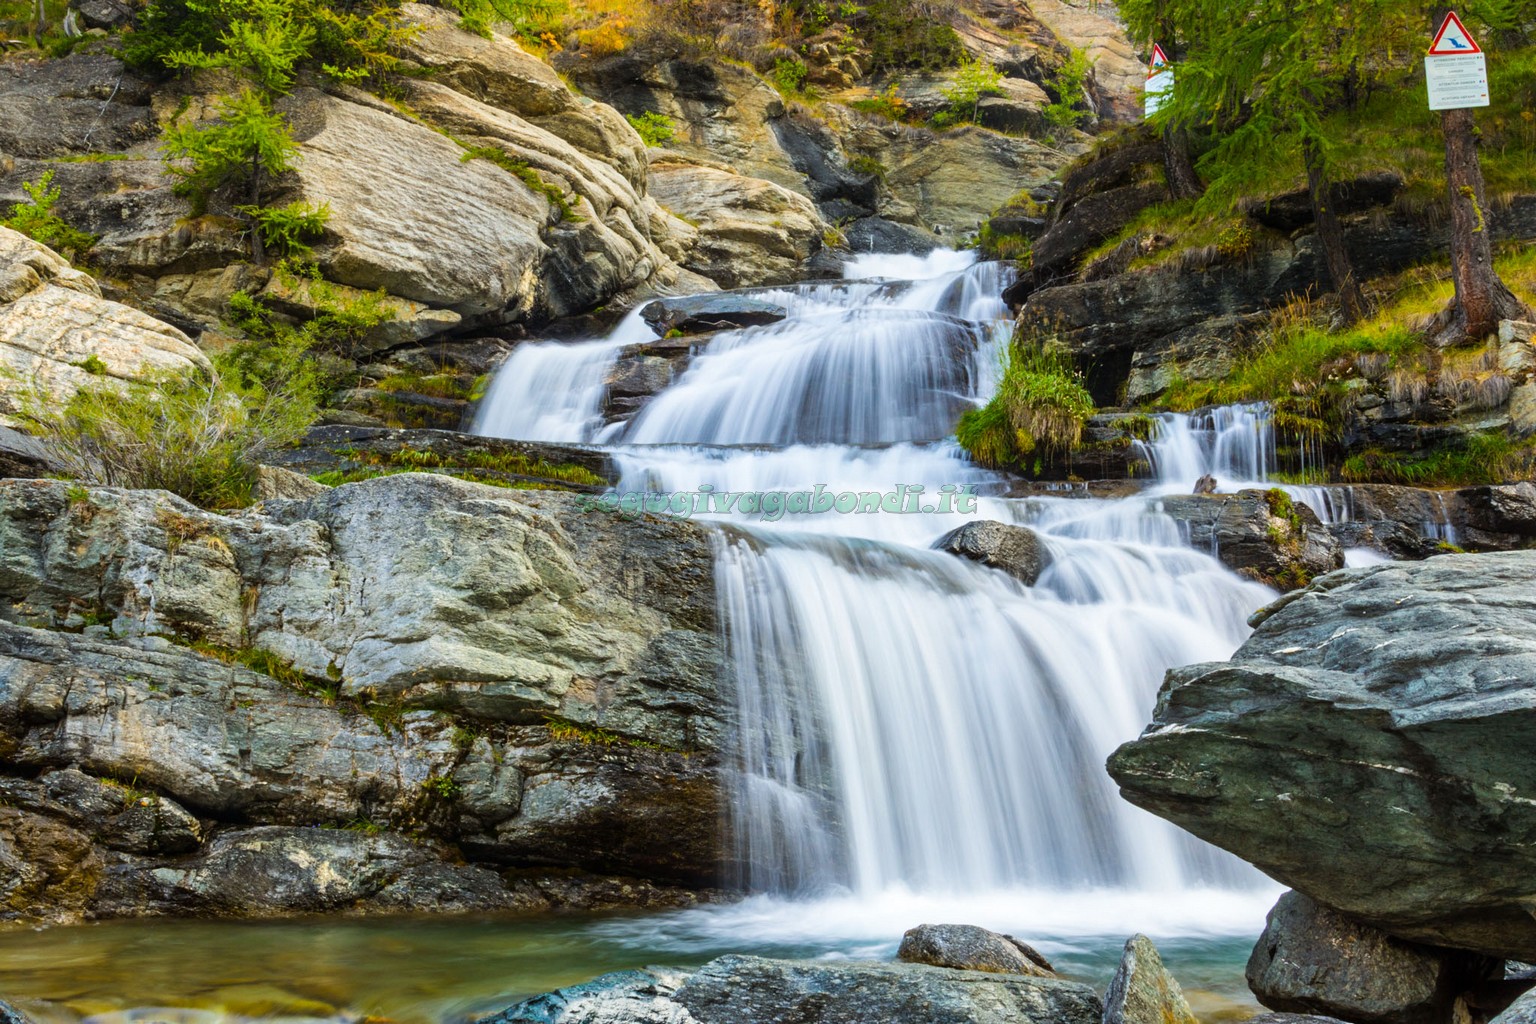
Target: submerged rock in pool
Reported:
point(755, 990)
point(1370, 745)
point(969, 948)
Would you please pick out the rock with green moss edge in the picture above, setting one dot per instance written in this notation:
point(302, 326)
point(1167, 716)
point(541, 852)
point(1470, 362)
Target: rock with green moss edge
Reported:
point(1264, 535)
point(1142, 991)
point(1369, 745)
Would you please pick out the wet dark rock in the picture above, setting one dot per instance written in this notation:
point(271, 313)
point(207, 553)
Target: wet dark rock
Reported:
point(1502, 515)
point(10, 1015)
point(1367, 745)
point(696, 314)
point(754, 990)
point(83, 103)
point(22, 455)
point(105, 14)
point(1261, 534)
point(1016, 550)
point(1142, 991)
point(876, 234)
point(1293, 210)
point(1313, 959)
point(966, 947)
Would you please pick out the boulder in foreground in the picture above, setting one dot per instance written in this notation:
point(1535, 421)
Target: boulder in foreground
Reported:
point(969, 948)
point(1369, 745)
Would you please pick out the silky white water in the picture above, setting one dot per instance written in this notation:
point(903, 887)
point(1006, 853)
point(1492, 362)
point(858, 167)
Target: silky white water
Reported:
point(917, 731)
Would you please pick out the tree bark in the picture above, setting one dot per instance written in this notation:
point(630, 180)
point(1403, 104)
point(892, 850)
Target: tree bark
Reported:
point(1330, 235)
point(1482, 299)
point(258, 249)
point(1178, 169)
point(40, 24)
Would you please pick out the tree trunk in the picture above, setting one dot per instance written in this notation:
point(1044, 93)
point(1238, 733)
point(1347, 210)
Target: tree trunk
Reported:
point(1178, 169)
point(1482, 299)
point(1330, 235)
point(40, 24)
point(258, 250)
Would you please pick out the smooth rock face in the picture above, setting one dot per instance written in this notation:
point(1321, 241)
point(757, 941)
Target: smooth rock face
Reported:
point(53, 320)
point(1367, 744)
point(1016, 550)
point(1312, 959)
point(1521, 1011)
point(754, 990)
point(1261, 534)
point(966, 947)
point(750, 231)
point(1142, 991)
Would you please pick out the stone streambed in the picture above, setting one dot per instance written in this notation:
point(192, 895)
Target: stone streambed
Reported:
point(419, 970)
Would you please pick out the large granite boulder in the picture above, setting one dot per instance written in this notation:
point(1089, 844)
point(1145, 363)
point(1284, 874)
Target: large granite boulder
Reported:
point(1367, 745)
point(57, 333)
point(750, 231)
point(754, 990)
point(1313, 959)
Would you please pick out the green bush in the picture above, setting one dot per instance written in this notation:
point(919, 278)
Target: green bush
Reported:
point(789, 75)
point(38, 222)
point(975, 78)
point(654, 129)
point(1066, 113)
point(1038, 411)
point(286, 230)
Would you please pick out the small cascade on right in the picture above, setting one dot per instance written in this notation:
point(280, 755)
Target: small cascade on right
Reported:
point(1235, 446)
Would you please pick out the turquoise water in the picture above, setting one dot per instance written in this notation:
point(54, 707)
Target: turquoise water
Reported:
point(418, 970)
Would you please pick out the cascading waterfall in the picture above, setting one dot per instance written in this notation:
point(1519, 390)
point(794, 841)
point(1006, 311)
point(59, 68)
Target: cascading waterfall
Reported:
point(911, 722)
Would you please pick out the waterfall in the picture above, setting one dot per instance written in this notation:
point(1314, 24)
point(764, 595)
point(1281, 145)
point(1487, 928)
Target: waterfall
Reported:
point(909, 721)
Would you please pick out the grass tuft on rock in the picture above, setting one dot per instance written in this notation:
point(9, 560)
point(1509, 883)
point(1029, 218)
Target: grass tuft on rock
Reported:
point(1037, 413)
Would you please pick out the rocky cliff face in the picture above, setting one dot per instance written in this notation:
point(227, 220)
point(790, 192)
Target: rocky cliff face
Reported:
point(1366, 747)
point(188, 698)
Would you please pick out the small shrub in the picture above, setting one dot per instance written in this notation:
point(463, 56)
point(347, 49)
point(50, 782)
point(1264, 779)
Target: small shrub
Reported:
point(789, 75)
point(975, 78)
point(655, 130)
point(285, 230)
point(887, 105)
point(1067, 83)
point(38, 222)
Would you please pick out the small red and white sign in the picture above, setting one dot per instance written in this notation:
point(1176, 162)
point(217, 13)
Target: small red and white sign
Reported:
point(1453, 39)
point(1159, 88)
point(1455, 69)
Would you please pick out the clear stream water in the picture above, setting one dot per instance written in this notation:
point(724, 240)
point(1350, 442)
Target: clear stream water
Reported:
point(923, 739)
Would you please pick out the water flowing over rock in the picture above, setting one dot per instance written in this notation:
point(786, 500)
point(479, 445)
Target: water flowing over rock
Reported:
point(965, 947)
point(1312, 959)
point(1142, 991)
point(754, 990)
point(1263, 533)
point(1363, 739)
point(1015, 550)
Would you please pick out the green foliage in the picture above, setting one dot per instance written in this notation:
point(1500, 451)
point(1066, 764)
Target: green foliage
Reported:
point(997, 245)
point(654, 129)
point(863, 164)
point(1038, 410)
point(510, 463)
point(248, 144)
point(340, 321)
point(1066, 112)
point(906, 34)
point(1487, 458)
point(479, 15)
point(92, 365)
point(270, 41)
point(524, 173)
point(38, 222)
point(200, 436)
point(286, 229)
point(975, 78)
point(788, 75)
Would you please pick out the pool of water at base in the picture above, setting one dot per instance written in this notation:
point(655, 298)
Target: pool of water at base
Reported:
point(418, 970)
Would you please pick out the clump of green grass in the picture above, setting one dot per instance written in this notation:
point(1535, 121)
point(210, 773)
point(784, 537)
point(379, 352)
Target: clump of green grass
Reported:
point(1486, 458)
point(522, 171)
point(1038, 411)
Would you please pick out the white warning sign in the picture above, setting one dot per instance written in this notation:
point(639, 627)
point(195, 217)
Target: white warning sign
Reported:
point(1455, 69)
point(1159, 88)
